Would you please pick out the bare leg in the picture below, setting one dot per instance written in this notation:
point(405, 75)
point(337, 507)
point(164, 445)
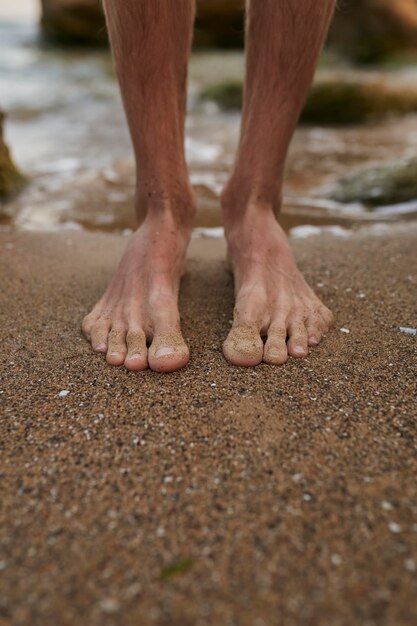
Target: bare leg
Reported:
point(150, 42)
point(284, 38)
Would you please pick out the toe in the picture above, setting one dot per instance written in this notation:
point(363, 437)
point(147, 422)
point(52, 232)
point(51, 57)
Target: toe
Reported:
point(314, 329)
point(243, 346)
point(116, 349)
point(87, 324)
point(137, 352)
point(297, 344)
point(99, 335)
point(168, 351)
point(327, 317)
point(317, 324)
point(275, 351)
point(314, 338)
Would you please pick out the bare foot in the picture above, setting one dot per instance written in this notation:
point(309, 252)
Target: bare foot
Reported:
point(272, 297)
point(140, 304)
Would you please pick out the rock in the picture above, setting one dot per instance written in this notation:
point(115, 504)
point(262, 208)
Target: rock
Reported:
point(11, 180)
point(369, 31)
point(362, 30)
point(338, 101)
point(73, 21)
point(218, 22)
point(393, 183)
point(332, 101)
point(227, 94)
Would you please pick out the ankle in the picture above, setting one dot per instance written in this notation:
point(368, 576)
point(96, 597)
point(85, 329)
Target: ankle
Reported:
point(172, 201)
point(248, 204)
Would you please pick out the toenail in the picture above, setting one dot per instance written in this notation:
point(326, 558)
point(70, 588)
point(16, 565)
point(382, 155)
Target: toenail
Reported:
point(164, 352)
point(100, 346)
point(299, 349)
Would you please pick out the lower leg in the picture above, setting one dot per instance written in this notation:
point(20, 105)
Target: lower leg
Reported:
point(284, 38)
point(150, 44)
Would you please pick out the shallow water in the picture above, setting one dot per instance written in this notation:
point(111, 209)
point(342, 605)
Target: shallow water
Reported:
point(67, 131)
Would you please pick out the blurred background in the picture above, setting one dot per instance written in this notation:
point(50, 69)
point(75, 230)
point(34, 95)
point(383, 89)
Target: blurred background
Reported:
point(65, 154)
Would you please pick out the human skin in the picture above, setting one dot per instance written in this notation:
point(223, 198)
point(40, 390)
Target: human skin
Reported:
point(284, 39)
point(151, 43)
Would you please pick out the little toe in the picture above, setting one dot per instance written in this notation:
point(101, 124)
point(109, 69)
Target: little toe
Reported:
point(275, 350)
point(87, 325)
point(168, 352)
point(297, 344)
point(243, 346)
point(314, 338)
point(99, 335)
point(314, 329)
point(116, 349)
point(137, 352)
point(328, 319)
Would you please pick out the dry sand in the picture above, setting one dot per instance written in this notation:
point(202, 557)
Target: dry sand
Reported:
point(214, 495)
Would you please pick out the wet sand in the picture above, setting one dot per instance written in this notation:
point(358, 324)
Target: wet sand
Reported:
point(214, 495)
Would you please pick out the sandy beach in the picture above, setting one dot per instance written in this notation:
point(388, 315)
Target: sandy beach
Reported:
point(213, 495)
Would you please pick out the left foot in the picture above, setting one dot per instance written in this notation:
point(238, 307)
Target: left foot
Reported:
point(272, 297)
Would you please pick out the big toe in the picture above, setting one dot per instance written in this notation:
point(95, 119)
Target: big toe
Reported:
point(243, 346)
point(168, 352)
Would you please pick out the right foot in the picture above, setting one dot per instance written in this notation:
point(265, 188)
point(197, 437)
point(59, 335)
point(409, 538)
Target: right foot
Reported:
point(140, 305)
